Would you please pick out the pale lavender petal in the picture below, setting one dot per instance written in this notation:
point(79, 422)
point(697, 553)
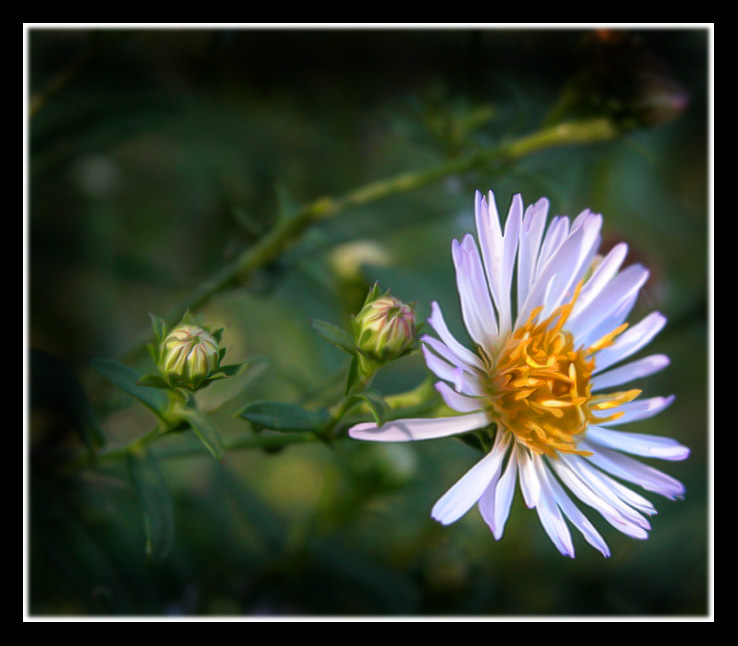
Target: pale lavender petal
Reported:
point(630, 341)
point(548, 512)
point(586, 323)
point(467, 491)
point(601, 276)
point(531, 233)
point(406, 430)
point(625, 520)
point(529, 483)
point(446, 354)
point(602, 485)
point(457, 401)
point(557, 232)
point(629, 372)
point(648, 446)
point(476, 304)
point(497, 498)
point(626, 468)
point(573, 260)
point(468, 384)
point(438, 366)
point(637, 410)
point(498, 250)
point(577, 518)
point(439, 325)
point(557, 279)
point(626, 495)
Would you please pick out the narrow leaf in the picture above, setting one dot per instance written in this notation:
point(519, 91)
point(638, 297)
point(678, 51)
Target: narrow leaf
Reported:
point(159, 327)
point(376, 404)
point(280, 416)
point(238, 383)
point(127, 379)
point(334, 334)
point(205, 430)
point(156, 504)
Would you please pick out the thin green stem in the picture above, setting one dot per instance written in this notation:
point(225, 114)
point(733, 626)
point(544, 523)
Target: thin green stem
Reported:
point(289, 229)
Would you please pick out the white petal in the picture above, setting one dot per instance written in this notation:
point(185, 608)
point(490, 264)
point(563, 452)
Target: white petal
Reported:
point(439, 325)
point(556, 234)
point(602, 485)
point(476, 304)
point(577, 518)
point(457, 401)
point(529, 484)
point(498, 250)
point(629, 372)
point(549, 514)
point(630, 341)
point(463, 381)
point(609, 308)
point(445, 353)
point(626, 495)
point(649, 446)
point(406, 430)
point(580, 483)
point(638, 410)
point(555, 282)
point(531, 233)
point(626, 468)
point(497, 498)
point(601, 276)
point(467, 491)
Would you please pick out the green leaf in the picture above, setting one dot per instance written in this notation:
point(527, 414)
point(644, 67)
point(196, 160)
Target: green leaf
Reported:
point(159, 327)
point(204, 428)
point(377, 406)
point(127, 380)
point(231, 369)
point(153, 381)
point(55, 386)
point(156, 504)
point(229, 389)
point(280, 416)
point(334, 334)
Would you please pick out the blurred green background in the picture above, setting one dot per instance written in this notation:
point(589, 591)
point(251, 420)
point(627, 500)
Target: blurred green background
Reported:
point(157, 156)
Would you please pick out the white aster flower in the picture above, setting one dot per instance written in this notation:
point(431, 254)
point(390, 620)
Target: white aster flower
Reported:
point(545, 378)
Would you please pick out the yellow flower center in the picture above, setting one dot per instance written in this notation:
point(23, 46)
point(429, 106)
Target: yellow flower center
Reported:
point(539, 384)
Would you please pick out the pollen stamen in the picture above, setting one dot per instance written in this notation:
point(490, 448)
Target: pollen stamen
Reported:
point(539, 383)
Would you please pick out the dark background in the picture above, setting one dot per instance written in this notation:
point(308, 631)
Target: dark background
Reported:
point(156, 156)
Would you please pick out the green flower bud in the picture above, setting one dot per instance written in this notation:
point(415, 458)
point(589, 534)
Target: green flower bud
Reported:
point(384, 328)
point(188, 355)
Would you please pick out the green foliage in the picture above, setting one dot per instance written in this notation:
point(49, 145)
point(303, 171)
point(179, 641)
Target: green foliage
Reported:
point(286, 417)
point(129, 381)
point(156, 503)
point(335, 335)
point(55, 386)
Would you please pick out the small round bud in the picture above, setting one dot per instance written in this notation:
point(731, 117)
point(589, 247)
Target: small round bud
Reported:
point(384, 328)
point(188, 355)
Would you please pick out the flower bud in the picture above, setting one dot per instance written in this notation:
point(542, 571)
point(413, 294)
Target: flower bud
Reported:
point(188, 355)
point(384, 328)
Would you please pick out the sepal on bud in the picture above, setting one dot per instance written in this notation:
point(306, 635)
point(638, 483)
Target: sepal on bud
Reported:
point(187, 356)
point(384, 329)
